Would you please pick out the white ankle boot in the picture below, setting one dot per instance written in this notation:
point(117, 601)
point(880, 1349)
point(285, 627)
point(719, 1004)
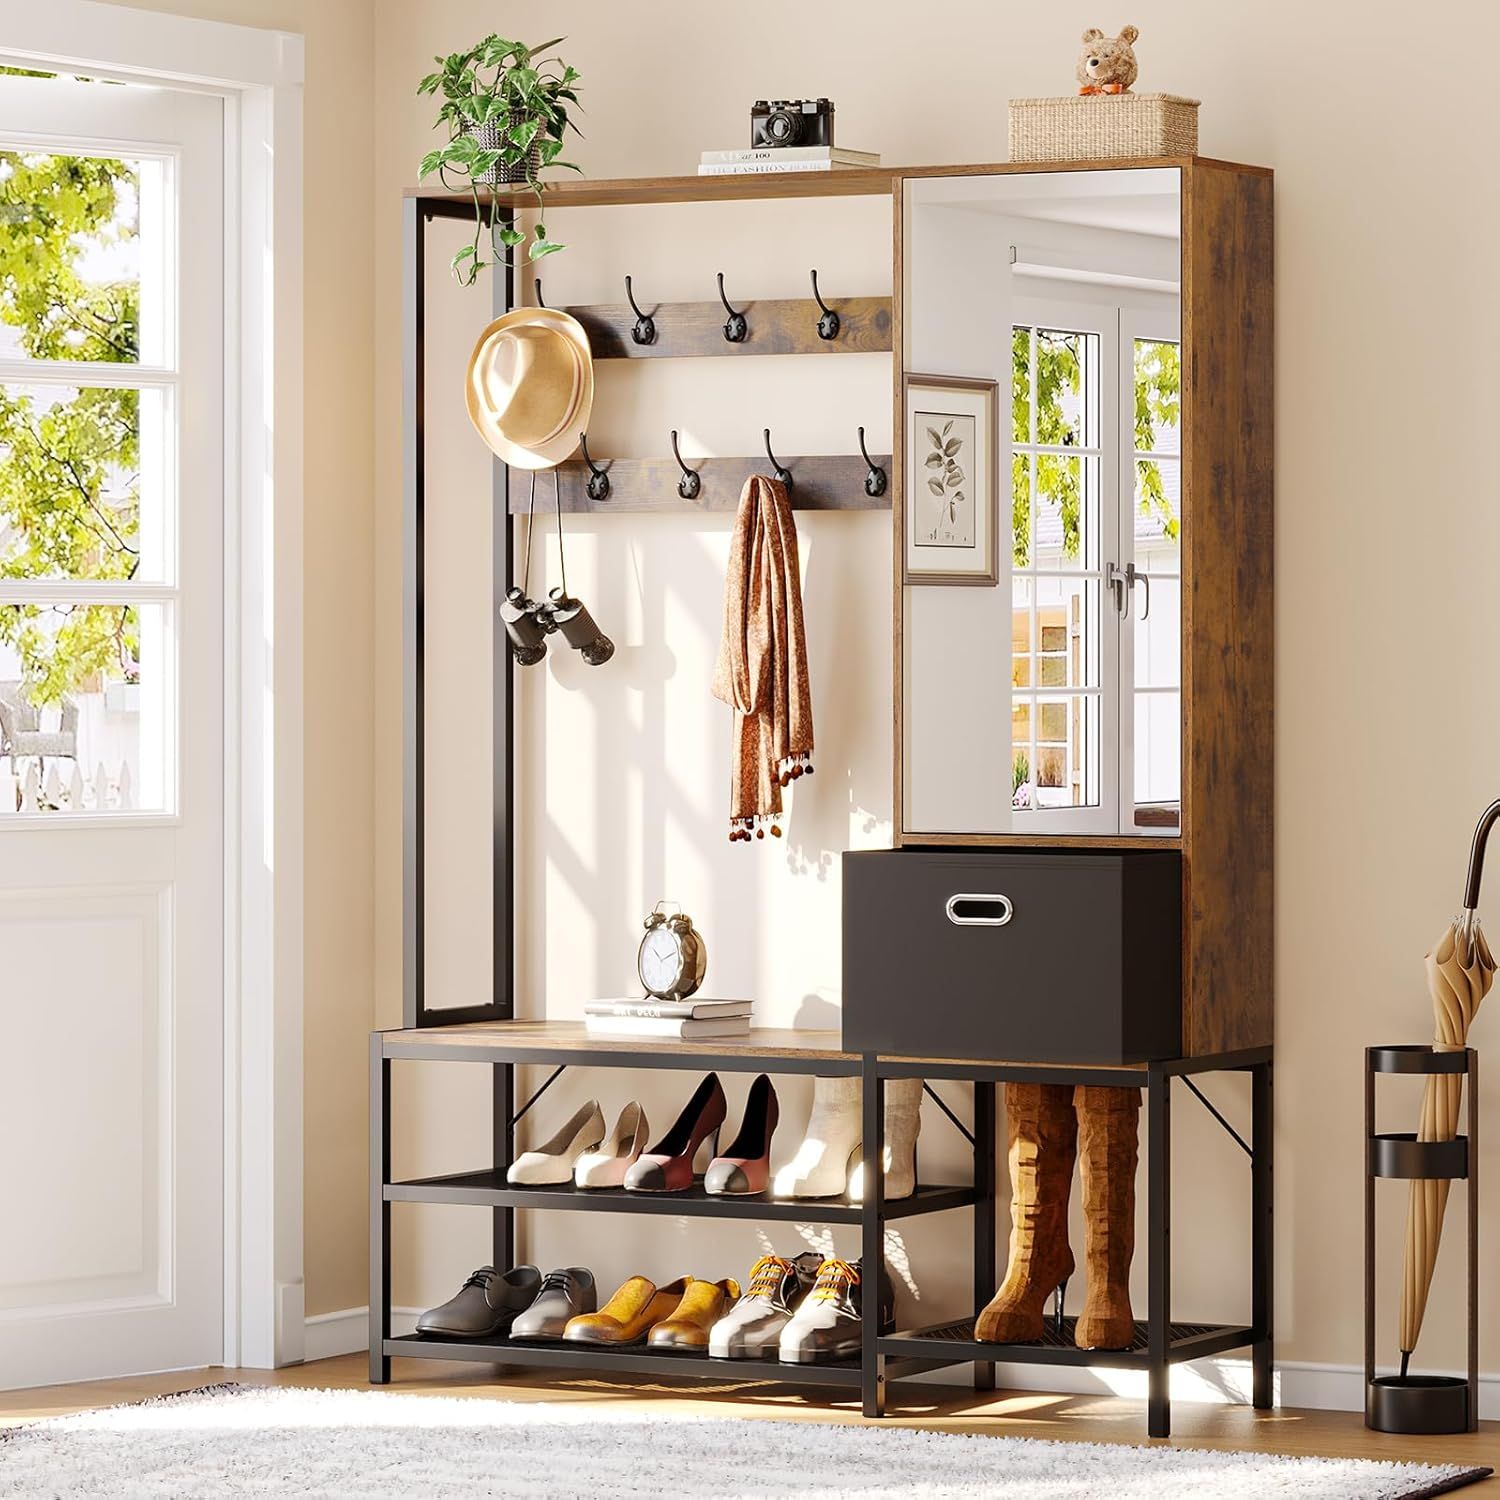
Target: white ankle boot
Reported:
point(820, 1169)
point(903, 1123)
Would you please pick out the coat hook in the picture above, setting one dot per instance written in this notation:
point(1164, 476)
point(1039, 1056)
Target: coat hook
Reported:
point(736, 330)
point(691, 482)
point(783, 474)
point(828, 324)
point(875, 480)
point(644, 331)
point(537, 287)
point(598, 483)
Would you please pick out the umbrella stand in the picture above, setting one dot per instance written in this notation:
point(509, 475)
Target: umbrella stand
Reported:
point(1422, 1403)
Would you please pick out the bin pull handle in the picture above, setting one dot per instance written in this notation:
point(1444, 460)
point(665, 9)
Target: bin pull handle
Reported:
point(977, 909)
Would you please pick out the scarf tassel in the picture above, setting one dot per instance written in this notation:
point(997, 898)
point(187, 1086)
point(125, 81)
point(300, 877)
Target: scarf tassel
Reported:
point(754, 827)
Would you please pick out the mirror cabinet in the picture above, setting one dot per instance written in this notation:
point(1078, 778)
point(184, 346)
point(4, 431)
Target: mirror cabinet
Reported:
point(1083, 605)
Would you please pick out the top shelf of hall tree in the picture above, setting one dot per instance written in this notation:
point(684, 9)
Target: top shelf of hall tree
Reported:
point(845, 182)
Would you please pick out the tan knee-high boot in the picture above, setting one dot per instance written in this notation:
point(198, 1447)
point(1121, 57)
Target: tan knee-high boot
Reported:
point(1108, 1120)
point(1043, 1131)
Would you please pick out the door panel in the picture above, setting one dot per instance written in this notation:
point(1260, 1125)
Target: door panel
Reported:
point(112, 813)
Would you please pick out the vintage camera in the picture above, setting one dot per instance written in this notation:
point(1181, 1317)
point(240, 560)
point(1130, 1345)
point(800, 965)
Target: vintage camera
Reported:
point(791, 122)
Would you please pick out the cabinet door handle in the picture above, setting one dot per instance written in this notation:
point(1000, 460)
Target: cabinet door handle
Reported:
point(974, 909)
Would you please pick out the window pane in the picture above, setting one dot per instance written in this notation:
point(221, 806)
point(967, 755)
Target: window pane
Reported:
point(1020, 405)
point(84, 478)
point(1067, 512)
point(85, 708)
point(1158, 502)
point(1158, 748)
point(1020, 633)
point(1067, 632)
point(75, 232)
point(1158, 397)
point(1158, 637)
point(1060, 360)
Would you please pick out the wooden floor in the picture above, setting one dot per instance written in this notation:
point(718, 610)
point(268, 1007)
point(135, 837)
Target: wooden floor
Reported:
point(1107, 1419)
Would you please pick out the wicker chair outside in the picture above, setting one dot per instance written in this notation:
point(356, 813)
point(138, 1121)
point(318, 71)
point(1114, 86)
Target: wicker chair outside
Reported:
point(21, 732)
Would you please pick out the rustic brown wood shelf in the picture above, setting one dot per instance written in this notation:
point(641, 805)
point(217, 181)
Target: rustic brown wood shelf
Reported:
point(696, 329)
point(819, 482)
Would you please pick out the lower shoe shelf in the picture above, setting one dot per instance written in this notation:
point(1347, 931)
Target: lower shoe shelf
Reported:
point(490, 1189)
point(956, 1341)
point(637, 1360)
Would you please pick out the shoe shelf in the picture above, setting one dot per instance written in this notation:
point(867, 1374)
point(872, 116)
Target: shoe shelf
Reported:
point(1056, 1347)
point(489, 1189)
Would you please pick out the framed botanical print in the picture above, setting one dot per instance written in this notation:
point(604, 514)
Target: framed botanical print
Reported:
point(952, 488)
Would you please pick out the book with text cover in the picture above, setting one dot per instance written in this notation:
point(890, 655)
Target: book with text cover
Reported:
point(843, 154)
point(665, 1026)
point(650, 1008)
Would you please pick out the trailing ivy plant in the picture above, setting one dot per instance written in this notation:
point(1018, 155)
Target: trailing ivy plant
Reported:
point(525, 97)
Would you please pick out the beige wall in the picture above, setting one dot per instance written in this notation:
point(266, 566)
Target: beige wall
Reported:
point(338, 659)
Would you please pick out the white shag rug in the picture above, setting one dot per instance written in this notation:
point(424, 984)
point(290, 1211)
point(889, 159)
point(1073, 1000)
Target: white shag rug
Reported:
point(248, 1441)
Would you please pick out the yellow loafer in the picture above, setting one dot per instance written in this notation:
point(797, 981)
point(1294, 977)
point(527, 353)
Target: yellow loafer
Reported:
point(636, 1307)
point(702, 1305)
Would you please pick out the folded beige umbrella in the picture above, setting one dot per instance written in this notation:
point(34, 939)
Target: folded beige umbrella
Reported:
point(1460, 971)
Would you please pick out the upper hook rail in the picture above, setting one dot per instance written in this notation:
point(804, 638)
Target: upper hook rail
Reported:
point(875, 480)
point(828, 324)
point(783, 474)
point(736, 329)
point(691, 482)
point(644, 331)
point(598, 481)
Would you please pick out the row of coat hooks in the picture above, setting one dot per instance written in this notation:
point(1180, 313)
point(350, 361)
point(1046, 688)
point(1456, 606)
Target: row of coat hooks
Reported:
point(736, 326)
point(690, 485)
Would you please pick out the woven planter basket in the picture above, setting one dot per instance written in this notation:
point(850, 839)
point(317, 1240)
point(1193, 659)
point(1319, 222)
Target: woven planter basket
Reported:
point(490, 139)
point(1103, 127)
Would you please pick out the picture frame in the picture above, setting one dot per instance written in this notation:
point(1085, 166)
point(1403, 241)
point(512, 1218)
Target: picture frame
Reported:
point(952, 485)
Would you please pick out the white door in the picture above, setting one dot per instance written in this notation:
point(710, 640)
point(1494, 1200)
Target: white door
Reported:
point(112, 786)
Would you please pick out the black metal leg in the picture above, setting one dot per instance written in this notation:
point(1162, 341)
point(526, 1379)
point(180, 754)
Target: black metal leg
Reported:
point(1159, 1251)
point(502, 1154)
point(872, 1248)
point(984, 1213)
point(1262, 1236)
point(380, 1211)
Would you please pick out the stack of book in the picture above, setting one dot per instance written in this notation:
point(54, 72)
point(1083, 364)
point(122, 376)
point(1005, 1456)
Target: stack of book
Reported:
point(783, 159)
point(667, 1018)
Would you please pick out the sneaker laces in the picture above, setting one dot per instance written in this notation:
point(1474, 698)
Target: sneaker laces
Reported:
point(555, 1281)
point(766, 1276)
point(481, 1278)
point(835, 1278)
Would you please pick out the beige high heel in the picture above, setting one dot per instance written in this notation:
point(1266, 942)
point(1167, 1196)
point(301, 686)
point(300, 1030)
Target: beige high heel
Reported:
point(607, 1164)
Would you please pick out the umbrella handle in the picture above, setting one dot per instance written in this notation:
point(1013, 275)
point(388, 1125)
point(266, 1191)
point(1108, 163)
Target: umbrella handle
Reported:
point(1476, 855)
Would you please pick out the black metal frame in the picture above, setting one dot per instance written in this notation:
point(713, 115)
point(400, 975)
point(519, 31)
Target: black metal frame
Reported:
point(1160, 1343)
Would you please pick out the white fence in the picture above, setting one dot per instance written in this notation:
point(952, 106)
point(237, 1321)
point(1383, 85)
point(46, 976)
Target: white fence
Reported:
point(30, 794)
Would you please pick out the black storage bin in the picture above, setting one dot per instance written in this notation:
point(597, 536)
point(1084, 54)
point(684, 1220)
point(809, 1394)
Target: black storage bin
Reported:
point(1013, 954)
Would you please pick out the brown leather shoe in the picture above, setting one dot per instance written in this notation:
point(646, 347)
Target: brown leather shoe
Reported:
point(1043, 1143)
point(630, 1314)
point(1108, 1122)
point(702, 1305)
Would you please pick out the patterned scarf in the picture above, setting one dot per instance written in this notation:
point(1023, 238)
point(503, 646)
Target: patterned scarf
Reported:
point(762, 667)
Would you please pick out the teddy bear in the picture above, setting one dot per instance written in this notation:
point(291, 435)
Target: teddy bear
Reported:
point(1107, 64)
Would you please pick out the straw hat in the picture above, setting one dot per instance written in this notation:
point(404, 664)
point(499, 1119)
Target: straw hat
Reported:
point(530, 386)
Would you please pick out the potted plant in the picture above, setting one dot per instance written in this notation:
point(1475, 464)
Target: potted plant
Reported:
point(506, 108)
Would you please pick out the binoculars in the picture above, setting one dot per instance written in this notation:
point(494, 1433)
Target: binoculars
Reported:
point(528, 623)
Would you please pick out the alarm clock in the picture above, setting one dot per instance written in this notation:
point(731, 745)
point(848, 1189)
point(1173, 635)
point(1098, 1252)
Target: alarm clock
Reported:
point(673, 956)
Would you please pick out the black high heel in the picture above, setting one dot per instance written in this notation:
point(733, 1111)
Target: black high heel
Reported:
point(1057, 1306)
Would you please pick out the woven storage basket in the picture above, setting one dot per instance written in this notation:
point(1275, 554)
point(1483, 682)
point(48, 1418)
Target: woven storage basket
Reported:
point(1102, 127)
